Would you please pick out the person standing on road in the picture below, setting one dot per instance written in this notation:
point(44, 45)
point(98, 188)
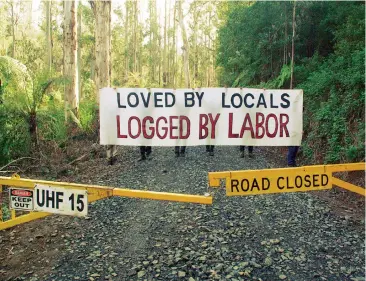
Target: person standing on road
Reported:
point(291, 156)
point(145, 152)
point(210, 149)
point(181, 152)
point(250, 150)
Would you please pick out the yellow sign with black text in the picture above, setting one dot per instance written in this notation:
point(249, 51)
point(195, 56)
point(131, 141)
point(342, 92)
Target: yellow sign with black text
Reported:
point(278, 181)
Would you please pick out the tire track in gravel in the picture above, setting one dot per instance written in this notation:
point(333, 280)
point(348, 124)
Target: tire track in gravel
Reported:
point(271, 237)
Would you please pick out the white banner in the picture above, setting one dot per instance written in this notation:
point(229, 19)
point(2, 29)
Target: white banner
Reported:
point(200, 116)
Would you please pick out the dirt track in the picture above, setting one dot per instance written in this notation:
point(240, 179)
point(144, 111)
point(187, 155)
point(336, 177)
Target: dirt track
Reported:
point(273, 237)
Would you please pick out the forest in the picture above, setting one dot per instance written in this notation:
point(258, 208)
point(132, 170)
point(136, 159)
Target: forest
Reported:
point(54, 55)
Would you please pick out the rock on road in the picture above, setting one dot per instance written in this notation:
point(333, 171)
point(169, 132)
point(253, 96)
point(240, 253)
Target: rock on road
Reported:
point(292, 236)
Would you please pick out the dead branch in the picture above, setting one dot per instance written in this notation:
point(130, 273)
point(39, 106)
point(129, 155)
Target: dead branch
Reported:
point(78, 159)
point(11, 162)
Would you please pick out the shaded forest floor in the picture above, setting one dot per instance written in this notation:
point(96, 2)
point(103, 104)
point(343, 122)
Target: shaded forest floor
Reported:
point(300, 236)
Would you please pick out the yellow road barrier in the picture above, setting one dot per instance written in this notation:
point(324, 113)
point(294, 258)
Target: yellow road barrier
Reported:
point(71, 198)
point(307, 178)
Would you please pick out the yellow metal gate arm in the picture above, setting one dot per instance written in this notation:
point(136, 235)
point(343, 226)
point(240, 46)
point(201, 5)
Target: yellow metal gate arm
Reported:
point(95, 192)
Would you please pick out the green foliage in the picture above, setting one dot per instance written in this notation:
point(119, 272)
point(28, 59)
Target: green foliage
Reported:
point(51, 120)
point(6, 212)
point(329, 67)
point(14, 137)
point(87, 115)
point(87, 89)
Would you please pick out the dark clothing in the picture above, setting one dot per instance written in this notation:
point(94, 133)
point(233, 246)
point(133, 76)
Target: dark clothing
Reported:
point(250, 148)
point(291, 156)
point(182, 150)
point(145, 151)
point(210, 148)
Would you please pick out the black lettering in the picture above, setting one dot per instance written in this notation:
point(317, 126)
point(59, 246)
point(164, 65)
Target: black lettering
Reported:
point(80, 202)
point(325, 177)
point(273, 105)
point(242, 187)
point(265, 180)
point(233, 100)
point(284, 98)
point(71, 199)
point(16, 204)
point(158, 99)
point(129, 100)
point(189, 96)
point(199, 97)
point(255, 184)
point(223, 101)
point(307, 180)
point(145, 101)
point(278, 183)
point(298, 185)
point(315, 180)
point(50, 198)
point(119, 101)
point(288, 184)
point(245, 100)
point(40, 197)
point(166, 99)
point(261, 101)
point(59, 198)
point(234, 184)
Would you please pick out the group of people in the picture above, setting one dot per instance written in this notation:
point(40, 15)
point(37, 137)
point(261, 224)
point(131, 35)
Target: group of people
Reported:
point(180, 151)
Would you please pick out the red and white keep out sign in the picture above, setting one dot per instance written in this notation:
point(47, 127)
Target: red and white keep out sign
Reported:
point(200, 116)
point(21, 199)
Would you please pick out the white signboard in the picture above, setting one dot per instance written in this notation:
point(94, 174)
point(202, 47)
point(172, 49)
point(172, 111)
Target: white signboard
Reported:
point(200, 116)
point(21, 199)
point(61, 200)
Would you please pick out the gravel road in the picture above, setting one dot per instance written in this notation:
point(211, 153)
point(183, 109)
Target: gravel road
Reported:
point(268, 237)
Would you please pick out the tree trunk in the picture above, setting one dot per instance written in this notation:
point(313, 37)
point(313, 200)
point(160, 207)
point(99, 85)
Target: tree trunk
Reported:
point(12, 29)
point(187, 80)
point(79, 52)
point(102, 14)
point(293, 45)
point(285, 45)
point(165, 48)
point(195, 44)
point(174, 45)
point(151, 63)
point(127, 58)
point(48, 35)
point(33, 131)
point(168, 48)
point(135, 37)
point(70, 59)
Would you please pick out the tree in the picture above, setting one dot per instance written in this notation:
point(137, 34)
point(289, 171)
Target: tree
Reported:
point(70, 60)
point(24, 92)
point(48, 34)
point(293, 44)
point(102, 14)
point(185, 48)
